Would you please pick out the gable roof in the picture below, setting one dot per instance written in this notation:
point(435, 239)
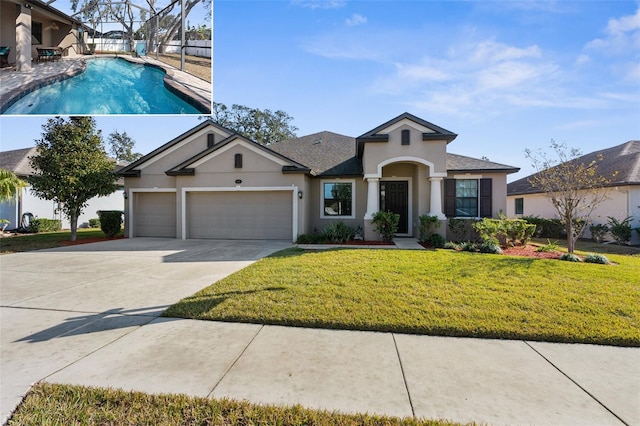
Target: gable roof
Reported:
point(463, 164)
point(17, 161)
point(621, 159)
point(325, 153)
point(130, 169)
point(437, 132)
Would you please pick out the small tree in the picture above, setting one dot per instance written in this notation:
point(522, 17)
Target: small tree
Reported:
point(10, 184)
point(71, 166)
point(573, 186)
point(121, 147)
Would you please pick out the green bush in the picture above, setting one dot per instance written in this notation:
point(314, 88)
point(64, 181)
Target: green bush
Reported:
point(546, 228)
point(110, 222)
point(311, 239)
point(469, 246)
point(598, 232)
point(549, 247)
point(94, 223)
point(462, 229)
point(570, 257)
point(450, 245)
point(45, 225)
point(428, 226)
point(338, 232)
point(504, 232)
point(436, 240)
point(386, 224)
point(620, 230)
point(596, 258)
point(488, 247)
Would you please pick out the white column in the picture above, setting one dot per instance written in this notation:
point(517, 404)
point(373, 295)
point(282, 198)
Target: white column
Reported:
point(435, 208)
point(372, 198)
point(23, 38)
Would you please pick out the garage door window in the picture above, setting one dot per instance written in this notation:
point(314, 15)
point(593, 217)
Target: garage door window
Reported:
point(337, 200)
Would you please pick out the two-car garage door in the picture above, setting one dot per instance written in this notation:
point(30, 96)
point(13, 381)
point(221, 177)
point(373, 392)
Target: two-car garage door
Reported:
point(259, 215)
point(253, 215)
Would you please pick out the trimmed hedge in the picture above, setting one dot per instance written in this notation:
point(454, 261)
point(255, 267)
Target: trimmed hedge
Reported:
point(110, 222)
point(45, 225)
point(547, 228)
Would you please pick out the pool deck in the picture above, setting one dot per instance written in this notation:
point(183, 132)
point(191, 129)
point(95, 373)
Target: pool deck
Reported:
point(14, 85)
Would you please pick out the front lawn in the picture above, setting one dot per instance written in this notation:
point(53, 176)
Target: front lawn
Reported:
point(52, 404)
point(436, 292)
point(29, 242)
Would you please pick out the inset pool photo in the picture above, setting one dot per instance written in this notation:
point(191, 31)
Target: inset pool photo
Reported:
point(105, 57)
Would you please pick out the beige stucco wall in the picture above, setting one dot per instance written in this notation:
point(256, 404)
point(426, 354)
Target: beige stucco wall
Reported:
point(623, 201)
point(8, 28)
point(316, 223)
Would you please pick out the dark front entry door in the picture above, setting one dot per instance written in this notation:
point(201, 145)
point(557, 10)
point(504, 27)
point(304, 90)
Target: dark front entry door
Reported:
point(394, 197)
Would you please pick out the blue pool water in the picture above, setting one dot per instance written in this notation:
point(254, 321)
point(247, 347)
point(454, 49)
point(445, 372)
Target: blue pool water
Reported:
point(108, 86)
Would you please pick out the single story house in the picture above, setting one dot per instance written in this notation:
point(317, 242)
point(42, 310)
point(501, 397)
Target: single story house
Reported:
point(27, 25)
point(622, 162)
point(213, 183)
point(24, 201)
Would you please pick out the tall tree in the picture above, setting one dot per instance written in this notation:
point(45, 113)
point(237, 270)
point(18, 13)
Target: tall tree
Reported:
point(263, 126)
point(10, 184)
point(71, 166)
point(121, 147)
point(574, 186)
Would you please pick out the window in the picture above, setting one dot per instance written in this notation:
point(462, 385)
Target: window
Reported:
point(468, 197)
point(337, 200)
point(406, 137)
point(238, 161)
point(519, 205)
point(36, 33)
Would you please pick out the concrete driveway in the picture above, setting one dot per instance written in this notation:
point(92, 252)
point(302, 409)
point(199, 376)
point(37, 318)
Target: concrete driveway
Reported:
point(60, 305)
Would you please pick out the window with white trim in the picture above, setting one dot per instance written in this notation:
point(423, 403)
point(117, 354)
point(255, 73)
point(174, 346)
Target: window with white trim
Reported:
point(337, 199)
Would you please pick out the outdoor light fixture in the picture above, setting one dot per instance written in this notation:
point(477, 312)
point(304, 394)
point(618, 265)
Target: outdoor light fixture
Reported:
point(28, 6)
point(124, 194)
point(300, 195)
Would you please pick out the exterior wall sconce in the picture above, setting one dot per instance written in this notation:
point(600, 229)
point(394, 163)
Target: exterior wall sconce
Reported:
point(300, 195)
point(125, 195)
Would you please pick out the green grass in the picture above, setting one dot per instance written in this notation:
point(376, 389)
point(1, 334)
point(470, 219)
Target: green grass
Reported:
point(587, 246)
point(50, 404)
point(29, 242)
point(436, 292)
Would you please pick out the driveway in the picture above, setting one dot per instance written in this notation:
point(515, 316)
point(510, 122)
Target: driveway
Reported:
point(58, 306)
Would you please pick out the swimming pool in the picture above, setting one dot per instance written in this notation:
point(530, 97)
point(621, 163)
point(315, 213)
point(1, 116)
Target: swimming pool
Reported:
point(108, 86)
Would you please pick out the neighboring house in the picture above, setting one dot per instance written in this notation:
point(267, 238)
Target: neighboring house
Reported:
point(623, 191)
point(212, 183)
point(17, 161)
point(27, 25)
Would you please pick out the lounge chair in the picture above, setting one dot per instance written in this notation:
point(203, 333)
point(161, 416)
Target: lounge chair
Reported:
point(4, 56)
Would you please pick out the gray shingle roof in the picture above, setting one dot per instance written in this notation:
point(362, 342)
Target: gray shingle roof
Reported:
point(325, 153)
point(17, 161)
point(623, 159)
point(461, 163)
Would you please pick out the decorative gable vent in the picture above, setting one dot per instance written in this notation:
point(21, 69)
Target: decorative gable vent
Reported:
point(238, 161)
point(211, 140)
point(406, 137)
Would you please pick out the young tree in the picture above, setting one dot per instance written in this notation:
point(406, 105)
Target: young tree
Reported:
point(121, 147)
point(263, 126)
point(10, 184)
point(574, 187)
point(71, 166)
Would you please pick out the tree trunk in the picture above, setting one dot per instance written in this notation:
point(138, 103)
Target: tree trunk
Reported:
point(570, 236)
point(74, 226)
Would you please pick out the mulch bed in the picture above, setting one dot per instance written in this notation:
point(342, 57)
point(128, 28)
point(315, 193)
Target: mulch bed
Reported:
point(90, 240)
point(530, 251)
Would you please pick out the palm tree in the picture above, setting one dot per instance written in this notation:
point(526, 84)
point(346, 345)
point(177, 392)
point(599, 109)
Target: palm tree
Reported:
point(9, 184)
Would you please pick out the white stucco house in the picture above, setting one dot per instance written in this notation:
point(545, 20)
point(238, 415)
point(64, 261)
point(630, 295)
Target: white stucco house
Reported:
point(17, 161)
point(623, 192)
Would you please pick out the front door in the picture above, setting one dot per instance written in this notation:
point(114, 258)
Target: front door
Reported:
point(394, 197)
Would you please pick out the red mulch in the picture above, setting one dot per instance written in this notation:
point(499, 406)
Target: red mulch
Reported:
point(530, 251)
point(89, 240)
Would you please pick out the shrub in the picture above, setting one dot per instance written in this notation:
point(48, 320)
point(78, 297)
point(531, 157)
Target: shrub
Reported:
point(598, 232)
point(386, 224)
point(570, 257)
point(110, 222)
point(462, 229)
point(488, 247)
point(311, 239)
point(436, 240)
point(546, 228)
point(489, 230)
point(45, 225)
point(549, 247)
point(620, 230)
point(338, 232)
point(596, 258)
point(427, 227)
point(469, 246)
point(94, 223)
point(450, 245)
point(504, 232)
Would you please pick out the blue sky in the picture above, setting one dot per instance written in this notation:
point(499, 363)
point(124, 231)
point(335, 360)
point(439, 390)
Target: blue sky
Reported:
point(505, 76)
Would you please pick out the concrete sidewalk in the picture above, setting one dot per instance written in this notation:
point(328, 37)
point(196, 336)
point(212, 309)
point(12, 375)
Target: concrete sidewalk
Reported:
point(89, 315)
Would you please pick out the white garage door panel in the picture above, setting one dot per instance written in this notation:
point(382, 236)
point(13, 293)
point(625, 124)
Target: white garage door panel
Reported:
point(260, 215)
point(154, 214)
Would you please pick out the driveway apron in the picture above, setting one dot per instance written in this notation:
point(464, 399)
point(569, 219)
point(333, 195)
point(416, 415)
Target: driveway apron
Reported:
point(60, 305)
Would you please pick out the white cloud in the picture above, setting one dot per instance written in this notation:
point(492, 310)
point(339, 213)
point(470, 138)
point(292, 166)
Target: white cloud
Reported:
point(320, 4)
point(492, 51)
point(355, 20)
point(624, 24)
point(582, 59)
point(623, 36)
